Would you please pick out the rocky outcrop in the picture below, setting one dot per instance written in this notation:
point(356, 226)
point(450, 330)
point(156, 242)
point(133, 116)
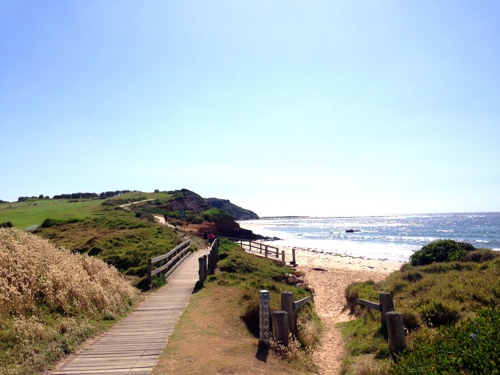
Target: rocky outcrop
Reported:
point(186, 200)
point(237, 212)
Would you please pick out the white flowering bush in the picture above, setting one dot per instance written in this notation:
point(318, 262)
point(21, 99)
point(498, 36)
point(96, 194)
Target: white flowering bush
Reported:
point(51, 299)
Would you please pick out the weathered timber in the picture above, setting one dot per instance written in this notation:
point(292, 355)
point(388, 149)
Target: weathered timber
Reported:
point(370, 304)
point(386, 305)
point(287, 305)
point(280, 327)
point(174, 256)
point(396, 331)
point(301, 302)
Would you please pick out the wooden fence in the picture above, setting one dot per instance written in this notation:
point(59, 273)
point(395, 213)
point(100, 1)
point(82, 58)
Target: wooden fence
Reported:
point(208, 263)
point(284, 321)
point(267, 250)
point(392, 321)
point(167, 262)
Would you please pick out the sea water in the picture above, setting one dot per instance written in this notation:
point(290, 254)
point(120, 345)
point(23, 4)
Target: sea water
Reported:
point(392, 237)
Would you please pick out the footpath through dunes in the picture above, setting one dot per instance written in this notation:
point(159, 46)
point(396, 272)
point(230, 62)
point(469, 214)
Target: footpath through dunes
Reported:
point(134, 345)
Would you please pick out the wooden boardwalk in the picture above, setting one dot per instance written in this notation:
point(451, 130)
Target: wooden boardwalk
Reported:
point(134, 345)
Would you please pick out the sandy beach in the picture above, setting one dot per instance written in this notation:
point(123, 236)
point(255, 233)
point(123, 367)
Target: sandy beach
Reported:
point(329, 275)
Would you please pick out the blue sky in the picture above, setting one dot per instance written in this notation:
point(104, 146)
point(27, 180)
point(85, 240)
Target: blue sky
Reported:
point(283, 107)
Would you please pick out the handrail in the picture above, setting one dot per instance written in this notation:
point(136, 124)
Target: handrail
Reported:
point(256, 245)
point(301, 302)
point(208, 263)
point(174, 256)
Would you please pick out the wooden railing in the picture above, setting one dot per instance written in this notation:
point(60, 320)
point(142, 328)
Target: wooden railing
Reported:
point(208, 263)
point(392, 321)
point(284, 320)
point(167, 262)
point(249, 245)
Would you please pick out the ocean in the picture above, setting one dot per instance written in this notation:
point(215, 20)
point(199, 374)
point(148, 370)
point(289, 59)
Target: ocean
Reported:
point(389, 237)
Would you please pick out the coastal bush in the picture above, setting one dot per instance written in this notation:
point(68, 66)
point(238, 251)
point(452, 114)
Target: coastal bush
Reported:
point(439, 251)
point(481, 255)
point(433, 297)
point(47, 223)
point(7, 224)
point(51, 299)
point(470, 347)
point(117, 237)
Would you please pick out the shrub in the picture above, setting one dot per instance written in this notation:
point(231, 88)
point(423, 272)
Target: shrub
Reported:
point(47, 223)
point(438, 313)
point(439, 251)
point(7, 224)
point(481, 255)
point(470, 347)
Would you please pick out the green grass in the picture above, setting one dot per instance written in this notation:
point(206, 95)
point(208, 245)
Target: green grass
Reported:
point(34, 212)
point(249, 274)
point(432, 298)
point(118, 237)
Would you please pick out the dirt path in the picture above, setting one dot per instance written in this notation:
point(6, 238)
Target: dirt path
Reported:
point(329, 287)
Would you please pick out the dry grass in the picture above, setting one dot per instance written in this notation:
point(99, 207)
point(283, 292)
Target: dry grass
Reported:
point(219, 342)
point(51, 299)
point(34, 272)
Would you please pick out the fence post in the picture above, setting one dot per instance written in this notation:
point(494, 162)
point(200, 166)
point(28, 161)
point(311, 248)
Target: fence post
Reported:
point(386, 305)
point(396, 331)
point(280, 327)
point(150, 269)
point(209, 263)
point(265, 251)
point(293, 257)
point(283, 257)
point(287, 305)
point(201, 270)
point(264, 318)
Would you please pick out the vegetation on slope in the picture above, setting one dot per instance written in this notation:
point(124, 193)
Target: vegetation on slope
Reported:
point(224, 316)
point(250, 274)
point(52, 299)
point(440, 302)
point(116, 236)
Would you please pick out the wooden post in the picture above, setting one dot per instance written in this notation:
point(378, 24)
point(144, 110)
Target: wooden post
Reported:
point(287, 305)
point(265, 251)
point(205, 263)
point(264, 318)
point(386, 305)
point(277, 253)
point(294, 262)
point(280, 327)
point(396, 331)
point(283, 257)
point(150, 279)
point(201, 271)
